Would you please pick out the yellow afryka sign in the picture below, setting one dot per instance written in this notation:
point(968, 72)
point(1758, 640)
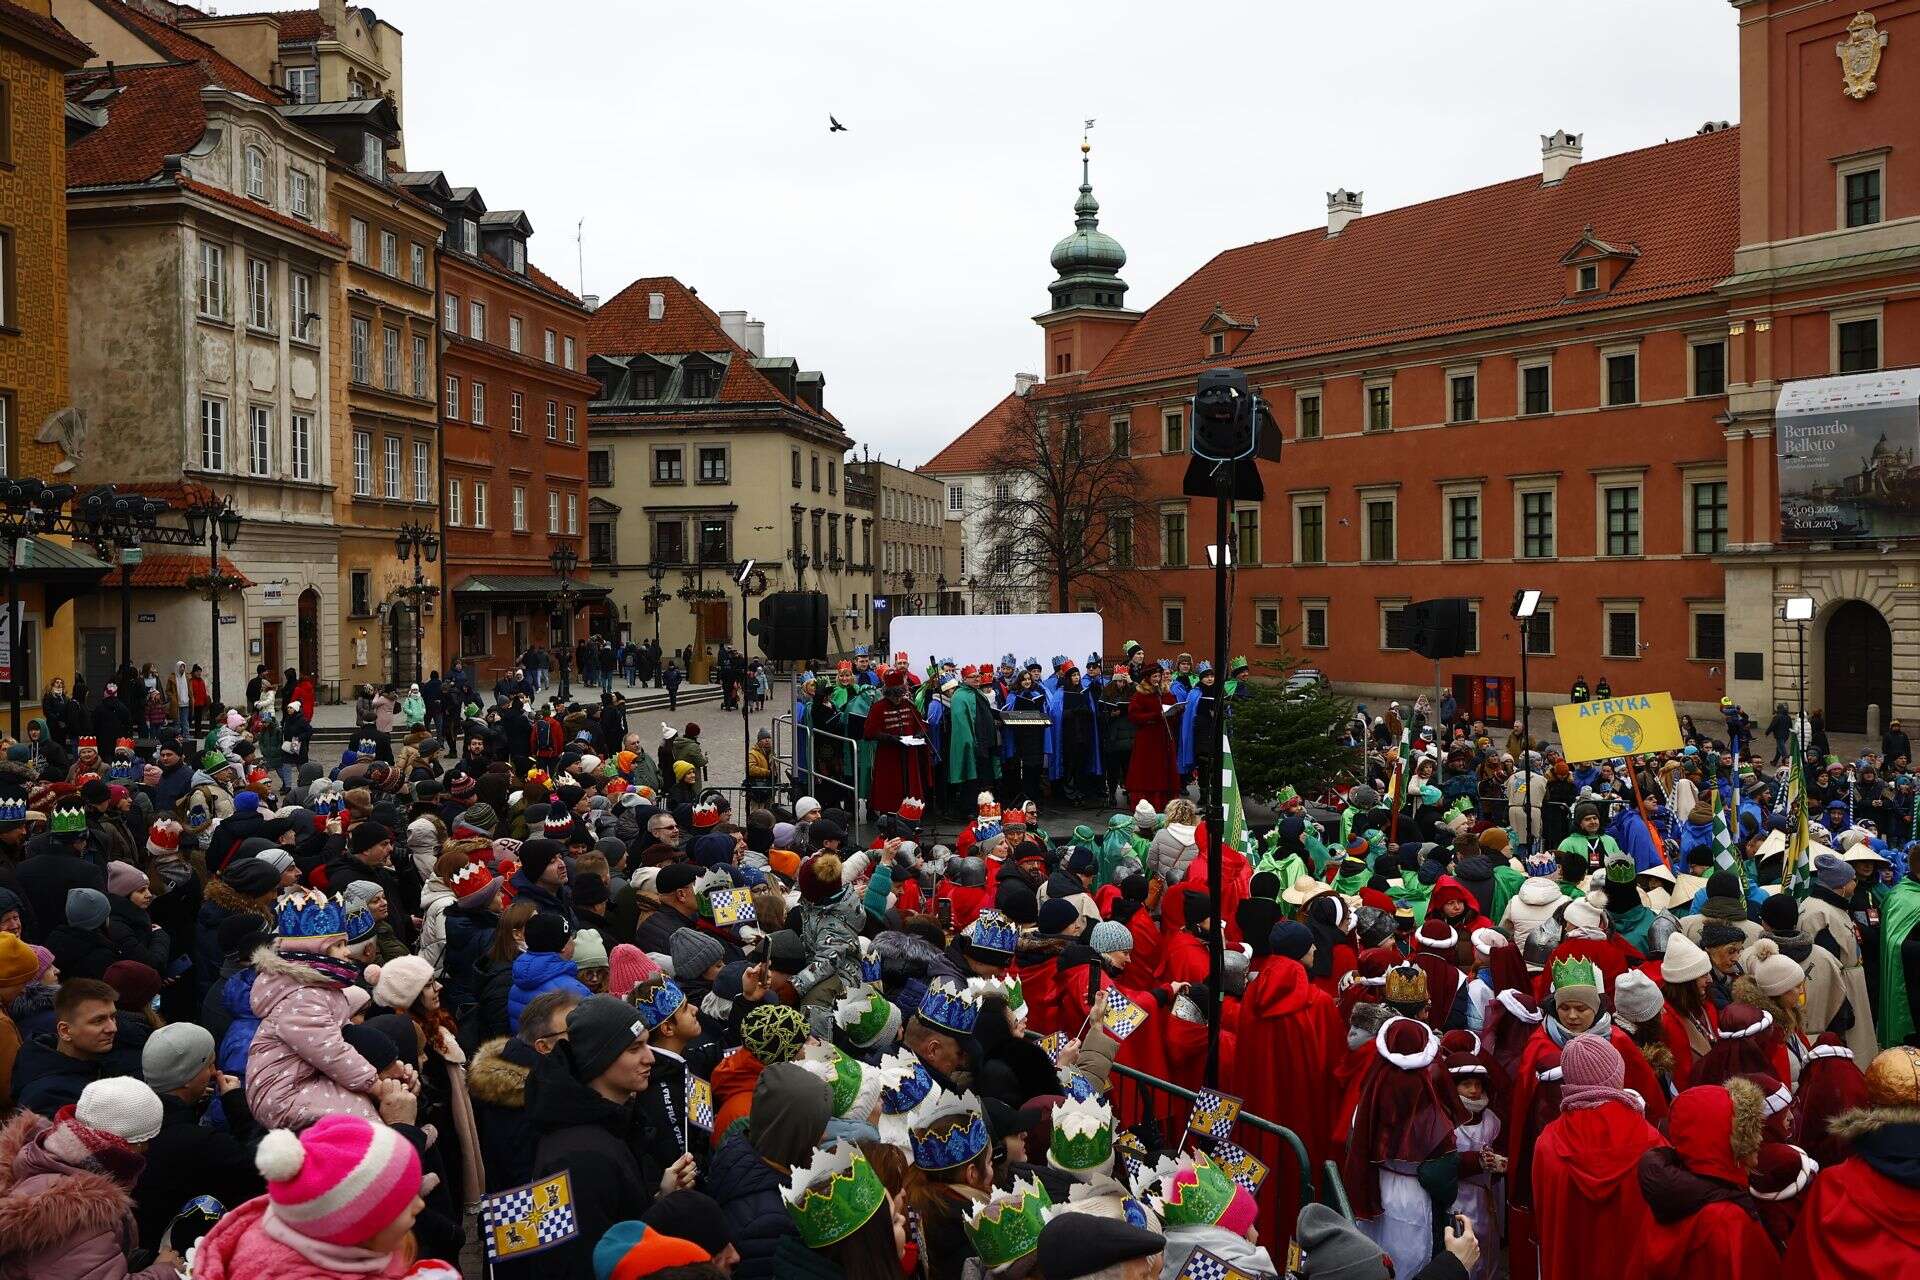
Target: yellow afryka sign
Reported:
point(1631, 724)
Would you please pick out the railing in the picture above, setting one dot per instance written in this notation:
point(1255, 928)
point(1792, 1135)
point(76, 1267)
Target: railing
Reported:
point(807, 781)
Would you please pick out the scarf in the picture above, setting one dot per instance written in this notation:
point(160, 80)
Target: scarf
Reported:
point(1602, 1026)
point(346, 1258)
point(341, 973)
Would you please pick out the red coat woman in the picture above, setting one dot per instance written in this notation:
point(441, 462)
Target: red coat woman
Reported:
point(1590, 1216)
point(1153, 774)
point(1705, 1222)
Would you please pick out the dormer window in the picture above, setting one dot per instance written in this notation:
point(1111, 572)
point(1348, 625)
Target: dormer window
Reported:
point(519, 257)
point(373, 156)
point(1218, 346)
point(700, 383)
point(256, 162)
point(1589, 277)
point(1593, 265)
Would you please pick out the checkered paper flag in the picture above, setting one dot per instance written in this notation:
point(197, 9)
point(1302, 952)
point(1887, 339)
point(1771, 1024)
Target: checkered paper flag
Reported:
point(732, 907)
point(699, 1103)
point(1053, 1046)
point(1204, 1265)
point(1214, 1113)
point(1123, 1016)
point(1240, 1164)
point(530, 1219)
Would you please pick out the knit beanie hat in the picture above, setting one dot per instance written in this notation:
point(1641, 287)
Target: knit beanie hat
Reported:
point(1332, 1248)
point(1289, 938)
point(1780, 913)
point(1591, 1072)
point(1724, 900)
point(359, 895)
point(691, 1215)
point(122, 1106)
point(125, 879)
point(632, 1249)
point(1831, 873)
point(18, 964)
point(547, 931)
point(1684, 960)
point(588, 951)
point(365, 835)
point(477, 820)
point(628, 967)
point(694, 953)
point(475, 885)
point(399, 982)
point(600, 1029)
point(87, 908)
point(537, 854)
point(1056, 915)
point(276, 857)
point(1110, 936)
point(134, 982)
point(174, 1054)
point(1778, 975)
point(342, 1181)
point(1718, 933)
point(1636, 999)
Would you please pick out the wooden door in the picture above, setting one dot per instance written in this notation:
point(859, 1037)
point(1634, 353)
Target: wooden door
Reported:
point(1859, 667)
point(270, 646)
point(310, 633)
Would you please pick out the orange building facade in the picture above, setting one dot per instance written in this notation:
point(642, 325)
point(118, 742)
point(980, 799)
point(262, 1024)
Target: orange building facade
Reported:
point(1563, 382)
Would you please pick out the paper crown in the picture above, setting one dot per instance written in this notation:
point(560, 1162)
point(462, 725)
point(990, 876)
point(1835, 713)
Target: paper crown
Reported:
point(846, 1080)
point(870, 963)
point(993, 932)
point(69, 821)
point(89, 743)
point(657, 1001)
point(360, 926)
point(907, 1083)
point(866, 1016)
point(950, 1008)
point(1575, 972)
point(1007, 1227)
point(13, 810)
point(1077, 1086)
point(706, 815)
point(833, 1196)
point(1188, 1192)
point(1082, 1135)
point(308, 916)
point(1007, 988)
point(913, 808)
point(1406, 984)
point(1620, 871)
point(947, 1131)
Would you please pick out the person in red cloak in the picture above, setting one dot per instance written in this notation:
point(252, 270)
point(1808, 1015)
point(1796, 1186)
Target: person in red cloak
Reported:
point(1779, 1182)
point(1776, 1108)
point(1187, 1038)
point(1153, 774)
point(1861, 1220)
point(1743, 1044)
point(1591, 1217)
point(901, 768)
point(1144, 963)
point(1523, 1134)
point(1405, 1117)
point(1575, 1011)
point(1369, 978)
point(1334, 953)
point(1451, 902)
point(965, 887)
point(1705, 1222)
point(986, 814)
point(1436, 948)
point(1184, 956)
point(1087, 971)
point(1236, 874)
point(1288, 1044)
point(1830, 1084)
point(1513, 1015)
point(1589, 936)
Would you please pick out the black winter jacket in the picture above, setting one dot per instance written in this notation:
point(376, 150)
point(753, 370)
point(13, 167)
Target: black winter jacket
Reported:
point(188, 1159)
point(748, 1188)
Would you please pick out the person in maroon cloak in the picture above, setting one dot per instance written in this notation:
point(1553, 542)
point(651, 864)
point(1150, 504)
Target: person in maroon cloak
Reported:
point(1591, 1217)
point(1742, 1045)
point(1861, 1220)
point(1513, 1015)
point(1369, 979)
point(1523, 1132)
point(1405, 1117)
point(900, 769)
point(1779, 1182)
point(1436, 949)
point(1830, 1084)
point(1288, 1044)
point(1153, 773)
point(1087, 971)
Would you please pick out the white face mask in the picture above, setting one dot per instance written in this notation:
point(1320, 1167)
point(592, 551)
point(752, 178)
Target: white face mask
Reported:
point(1474, 1106)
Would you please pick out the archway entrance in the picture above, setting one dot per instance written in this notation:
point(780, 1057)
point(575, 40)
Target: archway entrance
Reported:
point(1859, 667)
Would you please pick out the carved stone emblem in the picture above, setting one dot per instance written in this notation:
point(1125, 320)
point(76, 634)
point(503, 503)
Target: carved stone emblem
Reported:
point(1860, 54)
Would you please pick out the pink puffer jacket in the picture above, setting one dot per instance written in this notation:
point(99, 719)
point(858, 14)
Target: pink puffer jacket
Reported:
point(59, 1219)
point(300, 1067)
point(240, 1248)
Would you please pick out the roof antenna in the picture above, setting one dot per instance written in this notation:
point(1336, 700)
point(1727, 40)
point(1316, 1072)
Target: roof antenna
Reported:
point(580, 246)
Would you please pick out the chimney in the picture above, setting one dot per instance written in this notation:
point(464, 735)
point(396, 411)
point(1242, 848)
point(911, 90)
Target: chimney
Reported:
point(734, 323)
point(656, 306)
point(757, 337)
point(1023, 383)
point(1713, 126)
point(591, 301)
point(1559, 152)
point(1342, 207)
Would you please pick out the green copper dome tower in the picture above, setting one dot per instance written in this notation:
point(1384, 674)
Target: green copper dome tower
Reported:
point(1089, 260)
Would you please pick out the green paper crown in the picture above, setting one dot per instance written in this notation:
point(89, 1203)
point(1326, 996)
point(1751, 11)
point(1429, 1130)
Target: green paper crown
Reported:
point(864, 1016)
point(1007, 1227)
point(843, 1075)
point(1575, 972)
point(1200, 1203)
point(1082, 1136)
point(69, 821)
point(1285, 795)
point(833, 1197)
point(1620, 871)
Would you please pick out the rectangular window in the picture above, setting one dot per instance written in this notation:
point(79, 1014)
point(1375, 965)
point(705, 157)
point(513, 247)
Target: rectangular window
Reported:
point(516, 413)
point(1380, 542)
point(302, 432)
point(547, 345)
point(1266, 624)
point(669, 541)
point(553, 419)
point(479, 415)
point(833, 469)
point(1313, 619)
point(453, 397)
point(1393, 626)
point(417, 264)
point(1246, 536)
point(300, 315)
point(1120, 540)
point(553, 511)
point(420, 367)
point(1623, 633)
point(213, 435)
point(213, 280)
point(422, 472)
point(1859, 343)
point(1710, 636)
point(814, 460)
point(517, 256)
point(1623, 378)
point(363, 464)
point(360, 593)
point(1309, 409)
point(259, 294)
point(1538, 631)
point(390, 253)
point(514, 326)
point(667, 467)
point(568, 348)
point(1173, 622)
point(357, 239)
point(713, 466)
point(1380, 408)
point(455, 516)
point(1122, 432)
point(259, 440)
point(299, 198)
point(573, 424)
point(519, 508)
point(477, 321)
point(1310, 534)
point(599, 542)
point(362, 331)
point(1536, 389)
point(479, 504)
point(1536, 524)
point(390, 357)
point(390, 467)
point(470, 236)
point(450, 314)
point(1173, 538)
point(1461, 394)
point(1709, 517)
point(473, 635)
point(713, 541)
point(599, 467)
point(1863, 198)
point(1173, 435)
point(1589, 277)
point(793, 456)
point(1463, 527)
point(303, 84)
point(1709, 368)
point(1623, 519)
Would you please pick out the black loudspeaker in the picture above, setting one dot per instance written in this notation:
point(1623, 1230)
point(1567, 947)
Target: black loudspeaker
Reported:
point(793, 625)
point(1439, 628)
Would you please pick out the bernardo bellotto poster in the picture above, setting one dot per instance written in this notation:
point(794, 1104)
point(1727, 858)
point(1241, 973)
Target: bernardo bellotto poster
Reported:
point(1629, 725)
point(1849, 456)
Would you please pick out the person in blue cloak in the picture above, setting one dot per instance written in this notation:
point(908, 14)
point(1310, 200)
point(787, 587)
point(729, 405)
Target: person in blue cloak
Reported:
point(1629, 831)
point(1199, 719)
point(1073, 740)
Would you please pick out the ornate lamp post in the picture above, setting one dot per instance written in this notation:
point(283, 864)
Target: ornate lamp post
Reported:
point(563, 559)
point(412, 541)
point(214, 524)
point(940, 594)
point(655, 598)
point(114, 523)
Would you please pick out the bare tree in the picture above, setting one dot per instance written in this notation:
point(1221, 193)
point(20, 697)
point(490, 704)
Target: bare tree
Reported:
point(1069, 509)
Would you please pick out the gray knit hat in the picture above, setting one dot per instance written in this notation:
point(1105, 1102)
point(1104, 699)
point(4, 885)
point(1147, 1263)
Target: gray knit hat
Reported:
point(87, 908)
point(1332, 1248)
point(693, 954)
point(1636, 999)
point(599, 1030)
point(1111, 935)
point(174, 1054)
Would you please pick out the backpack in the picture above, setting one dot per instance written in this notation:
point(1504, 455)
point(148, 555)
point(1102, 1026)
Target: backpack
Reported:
point(546, 736)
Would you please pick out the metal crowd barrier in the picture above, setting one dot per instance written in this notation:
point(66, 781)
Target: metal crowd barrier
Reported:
point(807, 782)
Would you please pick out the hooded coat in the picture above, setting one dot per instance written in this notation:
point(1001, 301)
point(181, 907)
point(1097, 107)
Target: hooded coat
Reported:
point(536, 973)
point(497, 1081)
point(1592, 1216)
point(62, 1218)
point(1704, 1219)
point(1535, 902)
point(1861, 1218)
point(1287, 1048)
point(300, 1067)
point(1833, 930)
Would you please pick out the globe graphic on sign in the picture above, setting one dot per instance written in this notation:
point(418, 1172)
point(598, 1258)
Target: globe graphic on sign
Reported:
point(1623, 732)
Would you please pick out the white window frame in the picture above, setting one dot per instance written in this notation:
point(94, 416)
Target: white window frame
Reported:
point(1383, 606)
point(417, 263)
point(477, 395)
point(254, 167)
point(300, 194)
point(1268, 604)
point(1316, 393)
point(514, 327)
point(1689, 478)
point(213, 433)
point(1448, 492)
point(573, 513)
point(360, 350)
point(422, 471)
point(479, 504)
point(357, 240)
point(517, 413)
point(363, 464)
point(1367, 387)
point(300, 435)
point(1366, 497)
point(455, 517)
point(213, 279)
point(260, 295)
point(519, 508)
point(390, 357)
point(390, 468)
point(450, 313)
point(303, 83)
point(1307, 606)
point(1300, 502)
point(300, 305)
point(1695, 341)
point(259, 440)
point(553, 419)
point(421, 369)
point(1607, 355)
point(390, 254)
point(568, 350)
point(477, 320)
point(1610, 607)
point(549, 340)
point(1520, 369)
point(1622, 478)
point(1846, 167)
point(573, 424)
point(956, 498)
point(1523, 485)
point(1472, 373)
point(451, 401)
point(553, 511)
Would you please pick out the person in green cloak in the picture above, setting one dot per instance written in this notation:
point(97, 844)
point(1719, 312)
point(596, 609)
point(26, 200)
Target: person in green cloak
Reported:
point(973, 737)
point(1900, 958)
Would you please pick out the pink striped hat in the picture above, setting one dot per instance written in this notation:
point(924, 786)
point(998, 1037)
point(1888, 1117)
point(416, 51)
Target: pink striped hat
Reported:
point(342, 1181)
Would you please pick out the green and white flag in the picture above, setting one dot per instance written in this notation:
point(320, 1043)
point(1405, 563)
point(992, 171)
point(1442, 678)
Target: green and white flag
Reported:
point(1233, 831)
point(1726, 857)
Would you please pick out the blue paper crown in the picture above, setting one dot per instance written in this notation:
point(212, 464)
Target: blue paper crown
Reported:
point(121, 770)
point(660, 1003)
point(306, 915)
point(1081, 1089)
point(870, 967)
point(950, 1008)
point(949, 1140)
point(360, 926)
point(911, 1093)
point(992, 931)
point(13, 810)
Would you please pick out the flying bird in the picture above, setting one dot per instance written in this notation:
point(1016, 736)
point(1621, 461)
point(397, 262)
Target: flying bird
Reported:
point(834, 126)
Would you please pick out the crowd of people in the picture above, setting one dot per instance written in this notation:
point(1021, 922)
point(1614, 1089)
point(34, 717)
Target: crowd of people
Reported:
point(264, 1014)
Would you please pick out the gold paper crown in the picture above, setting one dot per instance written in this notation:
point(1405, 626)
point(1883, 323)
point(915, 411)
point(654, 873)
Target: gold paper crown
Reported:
point(1406, 984)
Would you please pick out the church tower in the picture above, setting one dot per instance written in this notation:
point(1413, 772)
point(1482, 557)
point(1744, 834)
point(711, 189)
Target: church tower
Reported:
point(1088, 313)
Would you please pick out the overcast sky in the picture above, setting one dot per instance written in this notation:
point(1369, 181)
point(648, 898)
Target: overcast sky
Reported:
point(906, 257)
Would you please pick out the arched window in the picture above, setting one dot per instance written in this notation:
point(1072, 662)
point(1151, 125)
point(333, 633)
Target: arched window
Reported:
point(256, 161)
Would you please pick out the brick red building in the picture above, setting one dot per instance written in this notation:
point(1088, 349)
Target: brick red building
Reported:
point(513, 405)
point(1565, 381)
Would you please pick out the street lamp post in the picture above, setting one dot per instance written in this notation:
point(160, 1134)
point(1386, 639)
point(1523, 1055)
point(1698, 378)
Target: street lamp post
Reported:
point(412, 541)
point(940, 595)
point(563, 560)
point(114, 522)
point(1799, 611)
point(653, 600)
point(215, 524)
point(1526, 602)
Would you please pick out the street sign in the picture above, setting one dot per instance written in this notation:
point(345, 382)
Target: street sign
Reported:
point(879, 604)
point(228, 619)
point(132, 555)
point(272, 595)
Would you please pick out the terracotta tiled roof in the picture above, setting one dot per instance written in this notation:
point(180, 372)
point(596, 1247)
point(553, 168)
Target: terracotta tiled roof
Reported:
point(259, 210)
point(296, 25)
point(971, 449)
point(49, 29)
point(172, 569)
point(157, 113)
point(181, 46)
point(1462, 262)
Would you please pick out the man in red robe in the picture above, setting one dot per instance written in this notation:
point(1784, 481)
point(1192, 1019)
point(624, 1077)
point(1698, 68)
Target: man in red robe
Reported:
point(1861, 1220)
point(902, 761)
point(1153, 772)
point(1591, 1216)
point(1288, 1044)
